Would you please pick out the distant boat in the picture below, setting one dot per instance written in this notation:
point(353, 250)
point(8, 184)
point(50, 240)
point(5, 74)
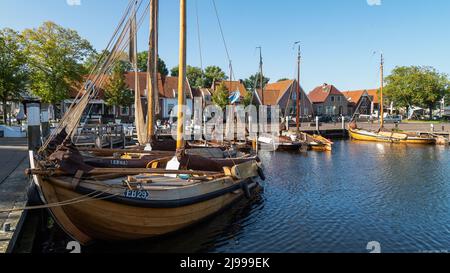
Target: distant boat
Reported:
point(383, 135)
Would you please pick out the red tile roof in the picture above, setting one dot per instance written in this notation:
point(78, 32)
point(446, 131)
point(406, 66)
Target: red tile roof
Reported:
point(273, 92)
point(321, 93)
point(232, 86)
point(355, 96)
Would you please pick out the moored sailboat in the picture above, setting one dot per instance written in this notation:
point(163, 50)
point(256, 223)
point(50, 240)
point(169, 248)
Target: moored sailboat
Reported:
point(382, 135)
point(171, 193)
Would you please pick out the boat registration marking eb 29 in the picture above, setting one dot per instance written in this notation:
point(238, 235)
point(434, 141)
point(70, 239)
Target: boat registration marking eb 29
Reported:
point(138, 195)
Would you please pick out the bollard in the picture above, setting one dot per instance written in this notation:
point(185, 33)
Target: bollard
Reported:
point(317, 124)
point(432, 127)
point(45, 124)
point(343, 122)
point(34, 126)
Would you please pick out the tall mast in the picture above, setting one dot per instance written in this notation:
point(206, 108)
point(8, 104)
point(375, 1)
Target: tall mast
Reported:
point(156, 59)
point(261, 75)
point(381, 92)
point(151, 86)
point(182, 75)
point(298, 88)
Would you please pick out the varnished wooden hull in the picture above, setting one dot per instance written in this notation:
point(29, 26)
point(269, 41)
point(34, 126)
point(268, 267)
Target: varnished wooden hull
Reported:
point(363, 135)
point(108, 220)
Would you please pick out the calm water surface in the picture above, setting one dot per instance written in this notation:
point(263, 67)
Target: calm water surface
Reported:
point(332, 202)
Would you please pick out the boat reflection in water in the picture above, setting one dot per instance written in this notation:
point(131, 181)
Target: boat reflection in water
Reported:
point(398, 195)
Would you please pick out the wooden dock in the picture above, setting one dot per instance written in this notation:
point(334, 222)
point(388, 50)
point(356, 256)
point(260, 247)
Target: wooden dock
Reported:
point(100, 136)
point(13, 190)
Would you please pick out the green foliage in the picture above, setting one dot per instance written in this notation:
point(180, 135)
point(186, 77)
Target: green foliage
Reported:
point(213, 73)
point(13, 70)
point(220, 96)
point(416, 85)
point(55, 55)
point(247, 100)
point(194, 75)
point(143, 64)
point(250, 82)
point(117, 92)
point(283, 79)
point(94, 58)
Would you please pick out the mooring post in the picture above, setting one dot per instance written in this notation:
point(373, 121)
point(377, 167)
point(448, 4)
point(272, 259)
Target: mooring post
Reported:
point(34, 126)
point(45, 123)
point(317, 124)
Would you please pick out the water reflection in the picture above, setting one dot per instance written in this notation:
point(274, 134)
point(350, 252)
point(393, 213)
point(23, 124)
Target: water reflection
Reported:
point(397, 195)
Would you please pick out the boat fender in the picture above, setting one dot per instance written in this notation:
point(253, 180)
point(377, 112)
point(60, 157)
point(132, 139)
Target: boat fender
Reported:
point(246, 190)
point(261, 173)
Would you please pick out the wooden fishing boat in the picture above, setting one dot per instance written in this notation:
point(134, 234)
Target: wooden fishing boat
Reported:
point(106, 204)
point(382, 135)
point(170, 193)
point(124, 158)
point(318, 143)
point(392, 137)
point(311, 142)
point(281, 143)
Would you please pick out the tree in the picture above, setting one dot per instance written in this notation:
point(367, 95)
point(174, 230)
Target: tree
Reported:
point(55, 57)
point(416, 85)
point(432, 86)
point(13, 71)
point(250, 82)
point(213, 73)
point(283, 79)
point(94, 58)
point(194, 75)
point(117, 92)
point(248, 99)
point(220, 96)
point(143, 64)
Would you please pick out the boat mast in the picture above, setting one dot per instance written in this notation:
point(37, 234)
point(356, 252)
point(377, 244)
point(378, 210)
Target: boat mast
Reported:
point(151, 81)
point(299, 56)
point(261, 77)
point(182, 75)
point(381, 92)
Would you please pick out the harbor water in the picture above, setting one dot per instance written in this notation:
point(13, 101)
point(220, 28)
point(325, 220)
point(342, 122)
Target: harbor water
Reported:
point(396, 195)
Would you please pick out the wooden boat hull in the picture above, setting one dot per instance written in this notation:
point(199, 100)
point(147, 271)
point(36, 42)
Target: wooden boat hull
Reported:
point(107, 220)
point(319, 143)
point(363, 135)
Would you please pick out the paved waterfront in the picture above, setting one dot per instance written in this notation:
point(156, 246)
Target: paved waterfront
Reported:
point(13, 185)
point(423, 127)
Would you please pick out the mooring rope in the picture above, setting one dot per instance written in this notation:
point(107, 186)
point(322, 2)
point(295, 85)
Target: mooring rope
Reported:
point(94, 196)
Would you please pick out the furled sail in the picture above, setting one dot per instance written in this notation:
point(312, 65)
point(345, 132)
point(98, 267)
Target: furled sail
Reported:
point(138, 111)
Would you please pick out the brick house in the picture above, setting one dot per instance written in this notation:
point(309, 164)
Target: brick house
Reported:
point(367, 100)
point(284, 94)
point(168, 98)
point(328, 101)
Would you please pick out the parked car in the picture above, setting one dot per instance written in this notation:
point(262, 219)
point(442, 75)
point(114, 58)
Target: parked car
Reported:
point(393, 119)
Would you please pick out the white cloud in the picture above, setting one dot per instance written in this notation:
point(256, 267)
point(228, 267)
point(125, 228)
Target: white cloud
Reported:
point(73, 2)
point(374, 2)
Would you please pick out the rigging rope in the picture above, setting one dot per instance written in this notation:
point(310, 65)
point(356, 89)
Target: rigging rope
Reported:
point(199, 37)
point(223, 38)
point(109, 56)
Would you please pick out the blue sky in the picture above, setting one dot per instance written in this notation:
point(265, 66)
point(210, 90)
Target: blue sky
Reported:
point(338, 36)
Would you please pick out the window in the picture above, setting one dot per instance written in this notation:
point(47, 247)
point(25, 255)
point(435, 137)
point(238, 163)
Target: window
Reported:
point(170, 107)
point(332, 98)
point(124, 111)
point(319, 110)
point(339, 99)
